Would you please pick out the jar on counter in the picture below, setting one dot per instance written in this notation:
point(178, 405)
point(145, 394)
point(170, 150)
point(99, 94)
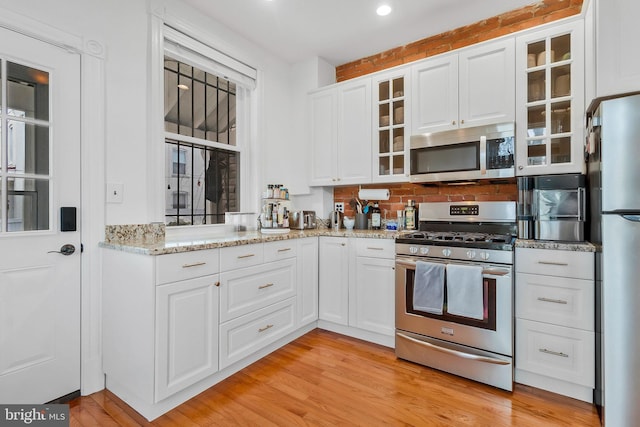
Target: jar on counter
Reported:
point(410, 215)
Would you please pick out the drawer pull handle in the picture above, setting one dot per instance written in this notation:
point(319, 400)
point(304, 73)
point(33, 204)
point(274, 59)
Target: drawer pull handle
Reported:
point(553, 353)
point(195, 264)
point(373, 248)
point(284, 249)
point(563, 264)
point(268, 285)
point(557, 301)
point(246, 256)
point(265, 328)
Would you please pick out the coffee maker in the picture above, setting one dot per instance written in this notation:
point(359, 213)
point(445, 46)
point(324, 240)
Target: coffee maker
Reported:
point(552, 207)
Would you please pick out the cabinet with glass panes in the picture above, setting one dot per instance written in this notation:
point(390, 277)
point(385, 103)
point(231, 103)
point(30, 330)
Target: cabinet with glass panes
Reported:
point(390, 135)
point(550, 100)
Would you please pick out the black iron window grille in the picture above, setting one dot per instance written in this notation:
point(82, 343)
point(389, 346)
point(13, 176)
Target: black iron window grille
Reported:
point(202, 179)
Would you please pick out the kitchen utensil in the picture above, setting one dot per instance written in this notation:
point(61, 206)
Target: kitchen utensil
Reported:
point(335, 220)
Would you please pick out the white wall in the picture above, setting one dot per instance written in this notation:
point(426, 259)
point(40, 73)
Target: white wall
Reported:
point(123, 27)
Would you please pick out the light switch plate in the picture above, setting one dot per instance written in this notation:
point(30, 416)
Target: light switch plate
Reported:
point(339, 206)
point(114, 192)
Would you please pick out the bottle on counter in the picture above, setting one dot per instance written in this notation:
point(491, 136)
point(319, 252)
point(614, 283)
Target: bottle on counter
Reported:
point(375, 217)
point(410, 215)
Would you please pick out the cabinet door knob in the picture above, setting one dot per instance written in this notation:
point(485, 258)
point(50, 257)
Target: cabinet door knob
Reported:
point(217, 284)
point(462, 121)
point(453, 122)
point(520, 167)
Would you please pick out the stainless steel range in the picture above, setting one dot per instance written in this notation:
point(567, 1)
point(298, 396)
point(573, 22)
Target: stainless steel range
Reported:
point(454, 290)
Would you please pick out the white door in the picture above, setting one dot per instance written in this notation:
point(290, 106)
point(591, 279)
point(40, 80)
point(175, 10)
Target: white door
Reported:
point(39, 174)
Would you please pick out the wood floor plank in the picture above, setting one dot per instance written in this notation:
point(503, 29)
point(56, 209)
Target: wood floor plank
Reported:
point(327, 379)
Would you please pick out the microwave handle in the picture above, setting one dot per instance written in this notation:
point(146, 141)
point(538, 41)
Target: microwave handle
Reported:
point(483, 155)
point(582, 200)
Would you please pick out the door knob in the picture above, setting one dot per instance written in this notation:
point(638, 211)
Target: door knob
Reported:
point(67, 249)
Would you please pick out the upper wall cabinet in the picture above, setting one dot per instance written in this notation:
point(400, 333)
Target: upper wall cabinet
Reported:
point(340, 132)
point(550, 99)
point(617, 59)
point(473, 87)
point(390, 126)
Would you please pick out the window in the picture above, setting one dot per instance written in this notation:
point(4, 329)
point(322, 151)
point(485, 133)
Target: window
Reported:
point(200, 136)
point(178, 161)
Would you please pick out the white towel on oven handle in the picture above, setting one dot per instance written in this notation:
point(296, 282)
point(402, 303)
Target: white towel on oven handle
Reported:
point(428, 287)
point(465, 291)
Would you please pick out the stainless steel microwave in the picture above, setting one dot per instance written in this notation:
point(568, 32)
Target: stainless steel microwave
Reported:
point(468, 154)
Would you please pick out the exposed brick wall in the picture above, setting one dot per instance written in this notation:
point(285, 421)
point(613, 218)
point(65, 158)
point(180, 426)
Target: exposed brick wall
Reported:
point(527, 17)
point(400, 193)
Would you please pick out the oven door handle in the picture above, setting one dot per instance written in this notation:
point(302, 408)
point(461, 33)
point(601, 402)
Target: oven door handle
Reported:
point(485, 271)
point(455, 352)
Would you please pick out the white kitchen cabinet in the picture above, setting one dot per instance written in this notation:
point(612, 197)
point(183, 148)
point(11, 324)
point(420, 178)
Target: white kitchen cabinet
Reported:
point(160, 321)
point(242, 336)
point(617, 61)
point(391, 125)
point(307, 281)
point(187, 333)
point(340, 125)
point(550, 98)
point(357, 287)
point(246, 290)
point(472, 87)
point(333, 284)
point(372, 288)
point(323, 132)
point(555, 320)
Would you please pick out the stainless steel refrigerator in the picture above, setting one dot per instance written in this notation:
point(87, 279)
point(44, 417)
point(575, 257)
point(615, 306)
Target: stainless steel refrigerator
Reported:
point(614, 188)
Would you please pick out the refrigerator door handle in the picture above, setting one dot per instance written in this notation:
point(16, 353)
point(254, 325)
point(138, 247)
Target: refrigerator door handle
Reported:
point(634, 218)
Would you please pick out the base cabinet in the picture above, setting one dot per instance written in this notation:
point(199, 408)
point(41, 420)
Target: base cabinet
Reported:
point(187, 333)
point(357, 287)
point(555, 321)
point(307, 280)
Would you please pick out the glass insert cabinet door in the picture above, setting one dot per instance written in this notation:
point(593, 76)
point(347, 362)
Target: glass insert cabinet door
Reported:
point(390, 127)
point(551, 100)
point(25, 155)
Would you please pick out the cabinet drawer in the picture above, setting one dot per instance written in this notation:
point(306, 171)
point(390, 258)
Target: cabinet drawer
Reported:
point(555, 351)
point(248, 289)
point(376, 248)
point(244, 335)
point(241, 256)
point(281, 249)
point(558, 300)
point(186, 265)
point(549, 262)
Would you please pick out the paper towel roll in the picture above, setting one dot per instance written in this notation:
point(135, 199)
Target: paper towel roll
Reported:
point(373, 194)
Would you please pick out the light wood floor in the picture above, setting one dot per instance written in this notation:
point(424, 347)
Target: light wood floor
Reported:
point(326, 379)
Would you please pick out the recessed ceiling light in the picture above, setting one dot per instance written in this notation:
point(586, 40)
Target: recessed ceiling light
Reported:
point(383, 10)
point(183, 87)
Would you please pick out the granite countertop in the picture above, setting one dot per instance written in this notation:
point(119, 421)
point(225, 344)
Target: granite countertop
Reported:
point(156, 246)
point(562, 246)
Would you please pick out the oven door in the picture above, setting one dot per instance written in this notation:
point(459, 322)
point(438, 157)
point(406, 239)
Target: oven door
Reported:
point(479, 352)
point(494, 333)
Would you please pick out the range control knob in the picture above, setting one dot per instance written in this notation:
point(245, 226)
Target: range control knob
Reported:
point(446, 252)
point(471, 254)
point(424, 251)
point(484, 255)
point(413, 249)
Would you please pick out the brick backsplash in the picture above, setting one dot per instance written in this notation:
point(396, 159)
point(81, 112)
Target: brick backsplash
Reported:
point(400, 193)
point(527, 17)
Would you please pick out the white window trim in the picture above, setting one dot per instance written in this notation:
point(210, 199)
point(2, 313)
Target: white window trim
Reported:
point(246, 141)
